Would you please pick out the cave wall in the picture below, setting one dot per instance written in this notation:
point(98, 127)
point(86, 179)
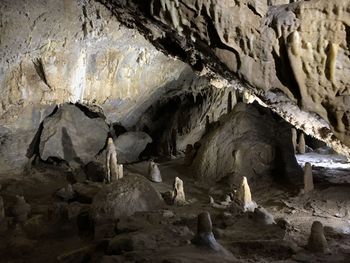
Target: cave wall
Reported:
point(53, 52)
point(293, 55)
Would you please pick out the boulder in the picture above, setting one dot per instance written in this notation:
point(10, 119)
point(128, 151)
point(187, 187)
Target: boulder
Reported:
point(70, 135)
point(124, 197)
point(130, 144)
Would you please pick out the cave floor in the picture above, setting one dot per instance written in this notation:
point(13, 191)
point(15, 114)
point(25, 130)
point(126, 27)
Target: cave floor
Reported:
point(165, 235)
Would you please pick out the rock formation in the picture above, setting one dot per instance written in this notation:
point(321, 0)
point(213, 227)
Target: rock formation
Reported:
point(129, 145)
point(112, 168)
point(124, 197)
point(244, 196)
point(308, 178)
point(259, 56)
point(262, 216)
point(178, 194)
point(154, 172)
point(317, 241)
point(189, 155)
point(21, 209)
point(70, 135)
point(301, 144)
point(294, 139)
point(204, 236)
point(66, 193)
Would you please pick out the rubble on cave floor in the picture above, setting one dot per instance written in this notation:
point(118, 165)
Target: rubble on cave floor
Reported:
point(156, 232)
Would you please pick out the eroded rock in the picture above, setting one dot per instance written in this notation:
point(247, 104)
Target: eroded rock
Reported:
point(129, 145)
point(21, 209)
point(154, 173)
point(317, 240)
point(308, 178)
point(72, 136)
point(124, 197)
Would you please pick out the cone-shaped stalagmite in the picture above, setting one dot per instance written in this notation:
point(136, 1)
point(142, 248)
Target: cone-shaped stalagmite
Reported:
point(294, 139)
point(205, 236)
point(244, 196)
point(308, 178)
point(178, 192)
point(112, 168)
point(301, 144)
point(317, 241)
point(154, 173)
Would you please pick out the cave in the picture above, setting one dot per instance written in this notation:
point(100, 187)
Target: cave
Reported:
point(174, 131)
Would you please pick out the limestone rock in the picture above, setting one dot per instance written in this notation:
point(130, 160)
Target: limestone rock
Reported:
point(72, 136)
point(245, 145)
point(112, 168)
point(154, 173)
point(204, 236)
point(317, 240)
point(244, 196)
point(124, 197)
point(301, 144)
point(21, 209)
point(129, 145)
point(189, 155)
point(66, 193)
point(262, 216)
point(308, 178)
point(178, 195)
point(294, 138)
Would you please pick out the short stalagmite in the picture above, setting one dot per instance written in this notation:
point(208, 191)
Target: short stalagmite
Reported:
point(317, 241)
point(205, 237)
point(112, 169)
point(301, 144)
point(21, 209)
point(154, 173)
point(294, 139)
point(308, 178)
point(244, 196)
point(178, 192)
point(120, 171)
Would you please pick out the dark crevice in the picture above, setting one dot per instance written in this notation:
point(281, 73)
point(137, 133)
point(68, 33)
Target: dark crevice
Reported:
point(91, 111)
point(33, 148)
point(283, 70)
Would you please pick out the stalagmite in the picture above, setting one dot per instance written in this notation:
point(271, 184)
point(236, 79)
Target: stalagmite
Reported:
point(178, 192)
point(205, 237)
point(21, 210)
point(120, 171)
point(301, 144)
point(294, 139)
point(154, 173)
point(317, 241)
point(111, 163)
point(308, 178)
point(244, 196)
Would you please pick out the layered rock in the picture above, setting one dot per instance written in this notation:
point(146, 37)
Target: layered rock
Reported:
point(248, 143)
point(75, 52)
point(262, 43)
point(72, 136)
